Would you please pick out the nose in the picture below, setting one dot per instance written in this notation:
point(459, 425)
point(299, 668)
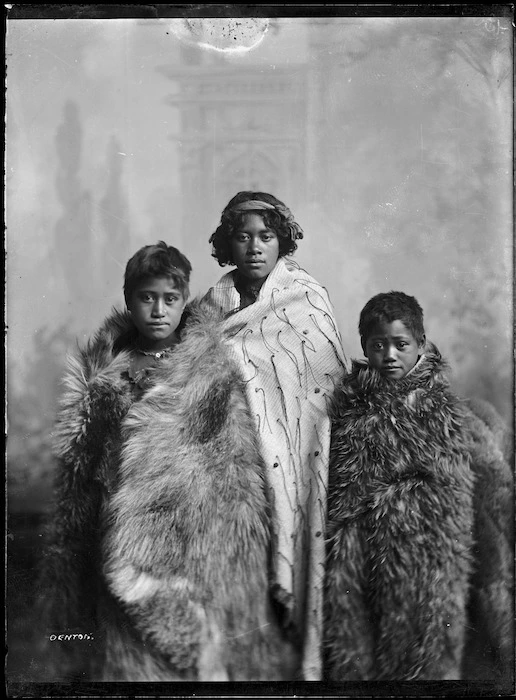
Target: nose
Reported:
point(254, 245)
point(390, 353)
point(158, 308)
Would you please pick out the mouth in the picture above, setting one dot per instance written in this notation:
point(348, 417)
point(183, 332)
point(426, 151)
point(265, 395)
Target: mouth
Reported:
point(391, 369)
point(254, 262)
point(158, 325)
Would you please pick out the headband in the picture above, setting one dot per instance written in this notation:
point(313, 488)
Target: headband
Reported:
point(252, 204)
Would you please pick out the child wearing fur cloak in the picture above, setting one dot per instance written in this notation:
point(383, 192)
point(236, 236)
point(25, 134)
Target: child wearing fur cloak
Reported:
point(158, 550)
point(416, 476)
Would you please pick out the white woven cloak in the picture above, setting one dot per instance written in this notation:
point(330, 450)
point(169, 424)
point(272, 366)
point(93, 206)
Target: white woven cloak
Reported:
point(290, 352)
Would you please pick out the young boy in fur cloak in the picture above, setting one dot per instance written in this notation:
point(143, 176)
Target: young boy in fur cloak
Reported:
point(157, 568)
point(406, 522)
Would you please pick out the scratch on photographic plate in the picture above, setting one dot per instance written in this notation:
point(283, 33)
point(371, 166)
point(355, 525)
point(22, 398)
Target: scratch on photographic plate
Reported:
point(230, 36)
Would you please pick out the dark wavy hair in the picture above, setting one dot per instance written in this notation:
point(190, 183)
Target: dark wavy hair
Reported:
point(279, 220)
point(159, 260)
point(388, 307)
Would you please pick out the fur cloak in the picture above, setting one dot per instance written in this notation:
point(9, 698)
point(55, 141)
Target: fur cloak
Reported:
point(400, 527)
point(164, 524)
point(489, 653)
point(95, 399)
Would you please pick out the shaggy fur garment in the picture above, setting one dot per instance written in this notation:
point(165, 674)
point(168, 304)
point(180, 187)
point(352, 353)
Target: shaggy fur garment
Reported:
point(186, 549)
point(96, 397)
point(160, 541)
point(490, 630)
point(400, 527)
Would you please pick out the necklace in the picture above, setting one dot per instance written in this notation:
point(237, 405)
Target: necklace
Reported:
point(157, 355)
point(244, 287)
point(252, 292)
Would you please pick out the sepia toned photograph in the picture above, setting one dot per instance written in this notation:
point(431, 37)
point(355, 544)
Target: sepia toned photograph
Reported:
point(259, 350)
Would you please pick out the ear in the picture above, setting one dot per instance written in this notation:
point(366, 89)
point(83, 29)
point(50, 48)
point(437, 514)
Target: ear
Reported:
point(422, 343)
point(363, 344)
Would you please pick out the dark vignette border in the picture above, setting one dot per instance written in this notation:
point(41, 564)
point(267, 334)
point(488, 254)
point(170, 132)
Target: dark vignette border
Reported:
point(255, 689)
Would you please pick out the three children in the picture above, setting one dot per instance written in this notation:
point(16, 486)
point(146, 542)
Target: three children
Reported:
point(162, 533)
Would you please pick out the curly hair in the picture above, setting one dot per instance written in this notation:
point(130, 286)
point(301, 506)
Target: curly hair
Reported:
point(159, 260)
point(278, 219)
point(389, 307)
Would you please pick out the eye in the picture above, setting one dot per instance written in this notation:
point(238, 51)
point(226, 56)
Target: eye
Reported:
point(146, 297)
point(171, 299)
point(377, 346)
point(241, 237)
point(402, 344)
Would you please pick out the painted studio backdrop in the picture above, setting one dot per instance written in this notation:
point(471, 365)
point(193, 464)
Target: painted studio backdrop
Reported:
point(389, 138)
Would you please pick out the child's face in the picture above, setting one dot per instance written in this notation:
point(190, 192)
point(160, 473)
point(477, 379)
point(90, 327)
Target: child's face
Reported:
point(255, 248)
point(156, 307)
point(392, 349)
